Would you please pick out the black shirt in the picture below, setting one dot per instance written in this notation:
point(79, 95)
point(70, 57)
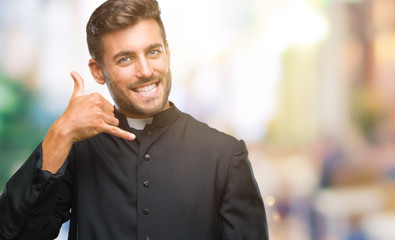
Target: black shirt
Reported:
point(179, 179)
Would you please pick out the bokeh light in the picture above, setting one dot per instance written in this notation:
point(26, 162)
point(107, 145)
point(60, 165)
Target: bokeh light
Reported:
point(308, 84)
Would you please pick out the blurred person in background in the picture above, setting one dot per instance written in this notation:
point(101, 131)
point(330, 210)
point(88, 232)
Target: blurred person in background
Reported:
point(140, 170)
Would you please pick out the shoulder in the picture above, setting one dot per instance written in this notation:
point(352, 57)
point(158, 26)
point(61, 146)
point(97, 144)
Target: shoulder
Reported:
point(201, 130)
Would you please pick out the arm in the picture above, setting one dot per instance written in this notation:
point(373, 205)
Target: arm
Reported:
point(34, 203)
point(36, 199)
point(242, 207)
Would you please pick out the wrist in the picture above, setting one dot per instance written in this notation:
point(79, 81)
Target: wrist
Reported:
point(55, 147)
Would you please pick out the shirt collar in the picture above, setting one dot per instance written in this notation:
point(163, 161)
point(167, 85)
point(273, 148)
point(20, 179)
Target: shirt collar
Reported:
point(160, 120)
point(139, 123)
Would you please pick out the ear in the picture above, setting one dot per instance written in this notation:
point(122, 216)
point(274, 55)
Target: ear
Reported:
point(96, 71)
point(167, 52)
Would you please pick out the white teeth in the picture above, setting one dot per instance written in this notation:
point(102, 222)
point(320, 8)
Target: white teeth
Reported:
point(147, 89)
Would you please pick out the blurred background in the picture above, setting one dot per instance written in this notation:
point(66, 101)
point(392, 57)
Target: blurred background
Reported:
point(308, 84)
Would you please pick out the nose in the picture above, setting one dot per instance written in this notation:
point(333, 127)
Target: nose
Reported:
point(143, 68)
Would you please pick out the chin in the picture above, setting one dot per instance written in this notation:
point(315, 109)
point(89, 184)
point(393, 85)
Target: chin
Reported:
point(144, 109)
point(154, 109)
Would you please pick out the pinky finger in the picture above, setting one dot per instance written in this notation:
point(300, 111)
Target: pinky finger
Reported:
point(116, 131)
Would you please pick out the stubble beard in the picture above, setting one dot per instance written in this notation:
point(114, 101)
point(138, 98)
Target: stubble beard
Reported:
point(123, 102)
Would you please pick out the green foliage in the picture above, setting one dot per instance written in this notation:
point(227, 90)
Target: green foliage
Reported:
point(19, 130)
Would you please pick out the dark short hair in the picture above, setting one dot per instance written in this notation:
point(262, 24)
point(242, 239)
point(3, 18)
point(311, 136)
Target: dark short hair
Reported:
point(114, 15)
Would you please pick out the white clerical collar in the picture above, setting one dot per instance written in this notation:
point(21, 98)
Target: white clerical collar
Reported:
point(139, 124)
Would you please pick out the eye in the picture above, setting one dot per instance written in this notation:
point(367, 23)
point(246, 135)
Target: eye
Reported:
point(153, 53)
point(124, 60)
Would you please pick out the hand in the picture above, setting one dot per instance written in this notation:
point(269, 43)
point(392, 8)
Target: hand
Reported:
point(89, 115)
point(84, 117)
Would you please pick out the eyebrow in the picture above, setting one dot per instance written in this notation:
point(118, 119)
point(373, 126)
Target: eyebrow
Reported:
point(122, 53)
point(155, 45)
point(125, 53)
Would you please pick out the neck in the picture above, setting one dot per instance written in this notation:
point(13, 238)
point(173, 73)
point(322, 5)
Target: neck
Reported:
point(140, 116)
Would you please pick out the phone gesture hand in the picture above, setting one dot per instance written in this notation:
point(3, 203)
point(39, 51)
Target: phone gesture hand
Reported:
point(89, 115)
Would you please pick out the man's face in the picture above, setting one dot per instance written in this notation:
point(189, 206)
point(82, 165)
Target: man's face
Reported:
point(136, 69)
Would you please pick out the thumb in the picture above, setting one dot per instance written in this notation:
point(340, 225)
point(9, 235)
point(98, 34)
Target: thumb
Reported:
point(78, 84)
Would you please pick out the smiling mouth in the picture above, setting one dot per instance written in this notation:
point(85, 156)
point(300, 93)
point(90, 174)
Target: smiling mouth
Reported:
point(147, 90)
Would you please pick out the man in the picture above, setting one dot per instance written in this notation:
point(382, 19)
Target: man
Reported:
point(172, 178)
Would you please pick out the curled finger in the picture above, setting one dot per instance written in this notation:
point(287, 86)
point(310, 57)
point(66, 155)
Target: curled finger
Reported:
point(116, 131)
